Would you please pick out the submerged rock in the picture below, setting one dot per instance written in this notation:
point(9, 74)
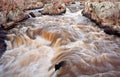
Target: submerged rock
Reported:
point(105, 14)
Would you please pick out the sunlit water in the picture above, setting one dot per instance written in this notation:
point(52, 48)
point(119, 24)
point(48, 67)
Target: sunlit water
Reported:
point(36, 45)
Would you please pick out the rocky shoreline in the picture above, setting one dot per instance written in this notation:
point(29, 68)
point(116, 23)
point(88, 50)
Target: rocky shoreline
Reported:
point(106, 15)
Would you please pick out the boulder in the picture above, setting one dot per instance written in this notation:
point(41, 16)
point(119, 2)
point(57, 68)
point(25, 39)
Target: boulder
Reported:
point(106, 14)
point(11, 13)
point(27, 4)
point(55, 8)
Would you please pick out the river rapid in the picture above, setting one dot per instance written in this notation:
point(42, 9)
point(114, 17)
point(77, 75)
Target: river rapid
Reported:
point(36, 46)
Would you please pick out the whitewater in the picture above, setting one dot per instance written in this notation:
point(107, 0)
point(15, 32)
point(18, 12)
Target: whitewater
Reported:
point(36, 46)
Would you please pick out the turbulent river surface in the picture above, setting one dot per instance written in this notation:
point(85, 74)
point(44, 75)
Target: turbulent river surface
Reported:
point(67, 45)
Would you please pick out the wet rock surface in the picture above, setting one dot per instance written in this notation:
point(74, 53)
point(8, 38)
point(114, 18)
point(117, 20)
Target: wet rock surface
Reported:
point(105, 14)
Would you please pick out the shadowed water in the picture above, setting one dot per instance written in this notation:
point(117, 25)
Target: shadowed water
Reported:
point(2, 41)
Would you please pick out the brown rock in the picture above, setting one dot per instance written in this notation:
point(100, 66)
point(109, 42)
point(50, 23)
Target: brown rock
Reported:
point(11, 13)
point(11, 18)
point(28, 4)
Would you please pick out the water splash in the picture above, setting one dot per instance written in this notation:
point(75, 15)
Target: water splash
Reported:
point(85, 49)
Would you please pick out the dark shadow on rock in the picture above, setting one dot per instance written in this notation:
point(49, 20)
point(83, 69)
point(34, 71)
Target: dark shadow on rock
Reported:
point(3, 45)
point(47, 13)
point(32, 14)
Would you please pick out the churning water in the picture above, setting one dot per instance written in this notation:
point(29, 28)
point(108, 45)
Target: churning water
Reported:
point(71, 42)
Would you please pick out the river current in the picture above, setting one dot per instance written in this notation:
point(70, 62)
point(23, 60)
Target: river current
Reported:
point(36, 45)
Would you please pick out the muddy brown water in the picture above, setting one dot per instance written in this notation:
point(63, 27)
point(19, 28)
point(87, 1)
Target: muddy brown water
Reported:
point(38, 44)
